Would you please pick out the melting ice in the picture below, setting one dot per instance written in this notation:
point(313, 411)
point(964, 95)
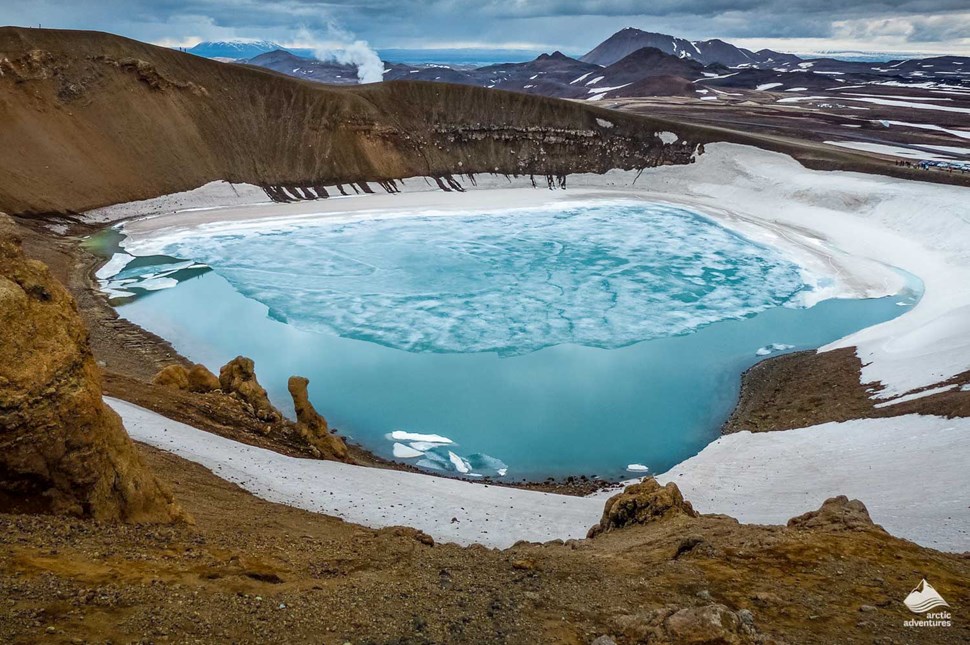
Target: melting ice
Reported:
point(601, 275)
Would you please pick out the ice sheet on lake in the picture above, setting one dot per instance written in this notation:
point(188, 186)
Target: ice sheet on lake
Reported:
point(604, 274)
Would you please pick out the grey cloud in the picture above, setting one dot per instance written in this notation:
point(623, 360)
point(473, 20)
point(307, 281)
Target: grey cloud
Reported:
point(575, 25)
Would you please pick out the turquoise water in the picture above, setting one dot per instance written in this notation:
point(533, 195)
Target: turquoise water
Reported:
point(521, 344)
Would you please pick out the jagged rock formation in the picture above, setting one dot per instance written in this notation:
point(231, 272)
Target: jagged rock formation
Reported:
point(837, 514)
point(159, 121)
point(642, 503)
point(61, 449)
point(312, 426)
point(238, 377)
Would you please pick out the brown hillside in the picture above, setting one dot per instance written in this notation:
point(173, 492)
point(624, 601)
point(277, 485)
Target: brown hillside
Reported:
point(92, 119)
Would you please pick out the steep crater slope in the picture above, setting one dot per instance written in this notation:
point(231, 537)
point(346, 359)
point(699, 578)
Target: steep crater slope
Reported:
point(92, 119)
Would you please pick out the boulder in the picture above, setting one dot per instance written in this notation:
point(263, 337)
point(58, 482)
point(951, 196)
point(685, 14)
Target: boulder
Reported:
point(173, 376)
point(201, 380)
point(642, 503)
point(837, 514)
point(311, 425)
point(62, 450)
point(708, 625)
point(238, 377)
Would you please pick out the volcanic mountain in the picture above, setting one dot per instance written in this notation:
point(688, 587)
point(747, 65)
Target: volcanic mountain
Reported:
point(626, 41)
point(93, 119)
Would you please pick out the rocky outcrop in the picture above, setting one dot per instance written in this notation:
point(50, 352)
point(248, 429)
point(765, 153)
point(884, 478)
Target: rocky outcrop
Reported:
point(642, 503)
point(712, 624)
point(238, 377)
point(61, 449)
point(173, 376)
point(201, 380)
point(312, 426)
point(709, 625)
point(196, 379)
point(837, 514)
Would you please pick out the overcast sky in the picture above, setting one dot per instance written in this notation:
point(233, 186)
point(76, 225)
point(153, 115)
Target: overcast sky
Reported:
point(574, 26)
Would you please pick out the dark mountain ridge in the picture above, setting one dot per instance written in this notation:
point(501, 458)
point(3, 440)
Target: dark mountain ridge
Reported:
point(633, 63)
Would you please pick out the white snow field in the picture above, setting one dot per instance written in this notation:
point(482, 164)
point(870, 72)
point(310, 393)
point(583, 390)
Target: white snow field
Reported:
point(910, 472)
point(493, 516)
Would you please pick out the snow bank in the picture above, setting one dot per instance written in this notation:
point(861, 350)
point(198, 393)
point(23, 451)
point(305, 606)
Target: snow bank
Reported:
point(909, 471)
point(490, 515)
point(215, 194)
point(861, 220)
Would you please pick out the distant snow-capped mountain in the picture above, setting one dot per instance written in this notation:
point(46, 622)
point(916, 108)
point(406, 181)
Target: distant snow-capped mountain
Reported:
point(238, 49)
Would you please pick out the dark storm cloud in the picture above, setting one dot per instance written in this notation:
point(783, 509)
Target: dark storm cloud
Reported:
point(572, 24)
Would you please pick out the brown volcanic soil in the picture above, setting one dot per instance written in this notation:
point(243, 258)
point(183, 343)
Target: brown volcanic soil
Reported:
point(808, 388)
point(250, 571)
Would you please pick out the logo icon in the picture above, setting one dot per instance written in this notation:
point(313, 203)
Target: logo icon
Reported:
point(924, 598)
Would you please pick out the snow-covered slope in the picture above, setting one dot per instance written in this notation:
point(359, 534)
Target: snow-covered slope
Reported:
point(909, 471)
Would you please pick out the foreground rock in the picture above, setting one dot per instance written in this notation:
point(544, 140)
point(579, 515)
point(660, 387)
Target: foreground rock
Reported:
point(837, 514)
point(238, 377)
point(173, 376)
point(61, 449)
point(201, 380)
point(196, 379)
point(313, 427)
point(642, 503)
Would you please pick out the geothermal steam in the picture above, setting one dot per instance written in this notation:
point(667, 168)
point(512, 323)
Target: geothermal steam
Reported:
point(342, 47)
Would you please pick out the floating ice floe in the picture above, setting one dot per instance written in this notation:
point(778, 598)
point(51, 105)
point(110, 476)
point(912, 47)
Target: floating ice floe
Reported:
point(637, 468)
point(460, 464)
point(772, 348)
point(436, 452)
point(157, 283)
point(114, 266)
point(406, 452)
point(401, 435)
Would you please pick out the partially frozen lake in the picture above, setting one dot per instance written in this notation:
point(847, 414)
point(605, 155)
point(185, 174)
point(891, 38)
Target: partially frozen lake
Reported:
point(569, 339)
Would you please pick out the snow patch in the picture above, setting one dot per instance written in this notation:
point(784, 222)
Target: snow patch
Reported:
point(773, 348)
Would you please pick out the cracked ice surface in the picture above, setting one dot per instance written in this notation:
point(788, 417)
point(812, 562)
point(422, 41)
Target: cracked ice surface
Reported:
point(603, 274)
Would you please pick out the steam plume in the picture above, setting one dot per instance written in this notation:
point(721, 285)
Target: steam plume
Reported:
point(340, 46)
